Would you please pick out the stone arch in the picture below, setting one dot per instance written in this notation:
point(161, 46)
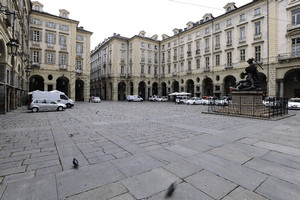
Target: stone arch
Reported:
point(63, 85)
point(142, 89)
point(155, 88)
point(163, 89)
point(292, 83)
point(2, 52)
point(190, 87)
point(229, 81)
point(79, 94)
point(131, 87)
point(121, 91)
point(208, 88)
point(175, 86)
point(36, 82)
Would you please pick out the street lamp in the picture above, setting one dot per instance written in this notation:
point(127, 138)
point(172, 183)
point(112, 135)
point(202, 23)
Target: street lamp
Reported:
point(12, 47)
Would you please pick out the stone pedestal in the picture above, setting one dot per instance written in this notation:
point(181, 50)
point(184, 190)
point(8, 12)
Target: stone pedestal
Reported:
point(246, 97)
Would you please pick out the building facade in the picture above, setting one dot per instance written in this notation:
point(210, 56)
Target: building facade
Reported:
point(207, 57)
point(59, 54)
point(14, 17)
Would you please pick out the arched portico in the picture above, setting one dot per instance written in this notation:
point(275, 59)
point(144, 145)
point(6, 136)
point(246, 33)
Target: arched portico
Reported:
point(121, 91)
point(36, 82)
point(208, 88)
point(142, 89)
point(190, 87)
point(229, 81)
point(291, 83)
point(155, 88)
point(164, 89)
point(62, 84)
point(79, 94)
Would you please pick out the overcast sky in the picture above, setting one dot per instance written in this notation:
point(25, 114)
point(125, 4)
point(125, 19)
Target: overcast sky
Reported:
point(129, 17)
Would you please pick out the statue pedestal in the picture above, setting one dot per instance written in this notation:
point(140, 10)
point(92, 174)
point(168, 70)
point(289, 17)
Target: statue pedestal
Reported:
point(246, 97)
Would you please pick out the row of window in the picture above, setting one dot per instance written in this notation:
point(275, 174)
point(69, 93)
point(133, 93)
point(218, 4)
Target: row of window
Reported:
point(50, 58)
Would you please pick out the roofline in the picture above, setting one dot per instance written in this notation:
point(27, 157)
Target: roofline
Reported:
point(51, 15)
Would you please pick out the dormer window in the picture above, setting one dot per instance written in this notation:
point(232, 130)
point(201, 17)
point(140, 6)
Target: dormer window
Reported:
point(228, 9)
point(64, 15)
point(37, 7)
point(207, 18)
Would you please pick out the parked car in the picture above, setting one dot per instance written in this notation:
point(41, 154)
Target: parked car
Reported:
point(181, 99)
point(294, 103)
point(45, 105)
point(96, 100)
point(223, 101)
point(270, 102)
point(194, 101)
point(154, 98)
point(134, 98)
point(207, 100)
point(162, 99)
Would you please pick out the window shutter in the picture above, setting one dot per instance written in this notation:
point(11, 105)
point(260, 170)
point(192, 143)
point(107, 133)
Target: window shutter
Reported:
point(60, 38)
point(31, 35)
point(46, 57)
point(41, 35)
point(46, 37)
point(54, 58)
point(40, 56)
point(54, 38)
point(67, 59)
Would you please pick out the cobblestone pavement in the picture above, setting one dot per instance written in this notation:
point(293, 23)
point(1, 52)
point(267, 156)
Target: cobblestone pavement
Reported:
point(136, 150)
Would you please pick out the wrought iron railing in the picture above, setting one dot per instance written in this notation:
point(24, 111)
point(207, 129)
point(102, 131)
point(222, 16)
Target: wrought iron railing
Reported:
point(268, 108)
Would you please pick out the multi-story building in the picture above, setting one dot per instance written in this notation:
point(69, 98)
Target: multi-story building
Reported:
point(59, 54)
point(206, 57)
point(14, 16)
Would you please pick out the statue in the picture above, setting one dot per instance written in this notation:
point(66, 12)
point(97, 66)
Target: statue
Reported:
point(251, 74)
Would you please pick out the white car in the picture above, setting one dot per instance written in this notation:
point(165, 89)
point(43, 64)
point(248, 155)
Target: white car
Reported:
point(294, 103)
point(96, 100)
point(181, 99)
point(224, 101)
point(134, 98)
point(162, 99)
point(194, 101)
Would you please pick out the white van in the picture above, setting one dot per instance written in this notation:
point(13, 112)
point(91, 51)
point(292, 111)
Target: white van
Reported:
point(54, 95)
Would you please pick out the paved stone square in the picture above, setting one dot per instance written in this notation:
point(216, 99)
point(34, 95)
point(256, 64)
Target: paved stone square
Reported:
point(135, 150)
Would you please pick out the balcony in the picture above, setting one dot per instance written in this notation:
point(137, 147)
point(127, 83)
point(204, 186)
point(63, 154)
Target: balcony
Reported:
point(149, 61)
point(174, 73)
point(228, 66)
point(217, 46)
point(229, 43)
point(36, 43)
point(288, 56)
point(206, 69)
point(198, 52)
point(50, 45)
point(242, 40)
point(143, 60)
point(63, 67)
point(206, 49)
point(143, 74)
point(155, 75)
point(291, 27)
point(175, 58)
point(129, 75)
point(162, 75)
point(35, 64)
point(122, 75)
point(257, 36)
point(188, 71)
point(78, 71)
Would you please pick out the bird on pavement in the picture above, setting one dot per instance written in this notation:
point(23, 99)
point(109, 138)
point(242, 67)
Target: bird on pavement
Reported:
point(170, 190)
point(71, 134)
point(75, 163)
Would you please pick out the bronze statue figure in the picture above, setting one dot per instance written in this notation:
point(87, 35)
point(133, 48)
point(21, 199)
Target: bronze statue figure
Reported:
point(251, 82)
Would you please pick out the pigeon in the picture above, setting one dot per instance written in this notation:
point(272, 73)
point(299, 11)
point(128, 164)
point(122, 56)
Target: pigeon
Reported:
point(75, 163)
point(71, 134)
point(97, 112)
point(170, 190)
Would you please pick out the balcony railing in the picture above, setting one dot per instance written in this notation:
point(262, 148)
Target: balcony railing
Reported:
point(188, 71)
point(289, 55)
point(292, 26)
point(197, 51)
point(174, 73)
point(257, 36)
point(62, 66)
point(143, 75)
point(79, 71)
point(122, 75)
